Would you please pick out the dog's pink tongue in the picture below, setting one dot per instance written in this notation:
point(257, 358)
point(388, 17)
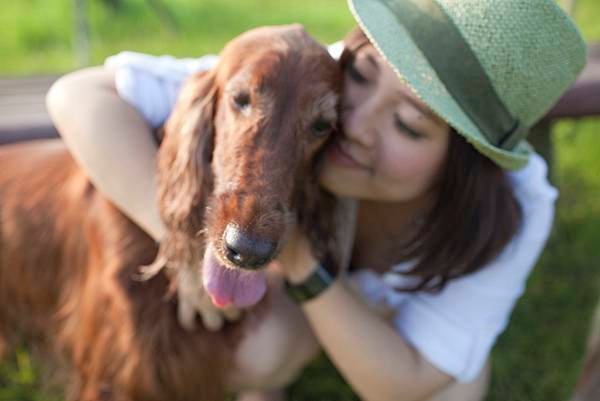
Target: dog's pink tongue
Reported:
point(225, 286)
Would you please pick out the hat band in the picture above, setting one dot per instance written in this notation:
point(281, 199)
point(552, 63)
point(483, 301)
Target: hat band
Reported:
point(457, 66)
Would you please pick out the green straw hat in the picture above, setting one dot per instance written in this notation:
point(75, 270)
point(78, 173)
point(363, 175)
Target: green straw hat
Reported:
point(490, 68)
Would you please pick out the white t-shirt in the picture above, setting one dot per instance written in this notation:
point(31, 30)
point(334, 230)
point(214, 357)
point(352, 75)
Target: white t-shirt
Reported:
point(151, 83)
point(454, 329)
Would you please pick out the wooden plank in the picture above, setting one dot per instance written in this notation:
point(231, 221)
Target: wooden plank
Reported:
point(22, 100)
point(583, 99)
point(541, 140)
point(588, 383)
point(42, 131)
point(36, 84)
point(23, 114)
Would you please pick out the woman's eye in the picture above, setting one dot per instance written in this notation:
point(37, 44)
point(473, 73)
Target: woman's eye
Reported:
point(355, 75)
point(321, 128)
point(405, 129)
point(242, 100)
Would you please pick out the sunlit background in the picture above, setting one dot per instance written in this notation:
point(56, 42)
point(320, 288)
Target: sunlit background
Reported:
point(40, 36)
point(539, 356)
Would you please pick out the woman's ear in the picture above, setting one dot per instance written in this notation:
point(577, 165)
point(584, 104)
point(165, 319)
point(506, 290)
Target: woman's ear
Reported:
point(184, 177)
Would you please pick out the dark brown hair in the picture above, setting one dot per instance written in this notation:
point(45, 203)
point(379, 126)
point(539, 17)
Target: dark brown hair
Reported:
point(472, 219)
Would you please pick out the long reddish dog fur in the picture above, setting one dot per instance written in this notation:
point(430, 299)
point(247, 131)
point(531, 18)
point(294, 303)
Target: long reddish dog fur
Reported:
point(69, 258)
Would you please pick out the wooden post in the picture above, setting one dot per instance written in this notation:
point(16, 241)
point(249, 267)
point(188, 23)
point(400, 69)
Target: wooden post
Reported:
point(588, 384)
point(164, 14)
point(82, 37)
point(569, 6)
point(541, 139)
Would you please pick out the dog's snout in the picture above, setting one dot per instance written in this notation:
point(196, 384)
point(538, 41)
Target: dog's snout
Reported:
point(245, 250)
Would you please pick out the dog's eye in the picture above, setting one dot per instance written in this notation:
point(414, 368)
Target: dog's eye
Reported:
point(322, 127)
point(242, 100)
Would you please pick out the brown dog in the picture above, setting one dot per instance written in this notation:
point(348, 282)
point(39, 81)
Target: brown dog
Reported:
point(237, 169)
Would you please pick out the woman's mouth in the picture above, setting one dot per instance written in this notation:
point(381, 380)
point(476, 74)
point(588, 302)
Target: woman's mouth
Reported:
point(341, 158)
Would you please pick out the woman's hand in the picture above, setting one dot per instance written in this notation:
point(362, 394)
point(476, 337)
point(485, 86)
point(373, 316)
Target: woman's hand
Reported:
point(296, 261)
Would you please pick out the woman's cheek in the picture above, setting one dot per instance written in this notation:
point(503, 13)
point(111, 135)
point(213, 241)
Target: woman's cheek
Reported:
point(411, 168)
point(399, 160)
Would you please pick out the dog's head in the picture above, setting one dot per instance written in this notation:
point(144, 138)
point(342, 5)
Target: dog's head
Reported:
point(238, 165)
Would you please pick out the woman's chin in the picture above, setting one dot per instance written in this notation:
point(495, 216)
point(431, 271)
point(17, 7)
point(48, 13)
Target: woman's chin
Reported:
point(348, 183)
point(340, 182)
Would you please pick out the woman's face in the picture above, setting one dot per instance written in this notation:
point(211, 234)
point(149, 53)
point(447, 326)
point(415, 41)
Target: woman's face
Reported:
point(393, 147)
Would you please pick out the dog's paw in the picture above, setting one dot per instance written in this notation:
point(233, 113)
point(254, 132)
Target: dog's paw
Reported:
point(193, 299)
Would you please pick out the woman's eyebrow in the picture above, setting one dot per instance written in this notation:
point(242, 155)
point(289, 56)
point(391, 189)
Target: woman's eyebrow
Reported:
point(425, 110)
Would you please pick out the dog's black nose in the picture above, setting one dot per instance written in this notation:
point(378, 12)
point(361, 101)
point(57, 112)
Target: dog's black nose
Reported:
point(246, 251)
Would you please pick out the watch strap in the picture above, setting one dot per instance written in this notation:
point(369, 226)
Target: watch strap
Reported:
point(313, 286)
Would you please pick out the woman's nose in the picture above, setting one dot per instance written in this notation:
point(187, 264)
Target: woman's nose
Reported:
point(360, 122)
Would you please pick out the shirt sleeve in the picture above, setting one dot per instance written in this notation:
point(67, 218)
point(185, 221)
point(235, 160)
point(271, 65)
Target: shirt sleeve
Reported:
point(456, 328)
point(336, 49)
point(151, 83)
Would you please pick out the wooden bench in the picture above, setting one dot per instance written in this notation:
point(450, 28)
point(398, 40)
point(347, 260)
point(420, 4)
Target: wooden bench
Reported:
point(23, 113)
point(23, 116)
point(582, 100)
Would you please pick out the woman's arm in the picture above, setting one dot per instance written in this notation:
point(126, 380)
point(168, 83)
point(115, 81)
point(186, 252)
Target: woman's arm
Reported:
point(368, 351)
point(110, 140)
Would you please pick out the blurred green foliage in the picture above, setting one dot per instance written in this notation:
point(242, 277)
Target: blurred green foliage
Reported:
point(36, 36)
point(537, 358)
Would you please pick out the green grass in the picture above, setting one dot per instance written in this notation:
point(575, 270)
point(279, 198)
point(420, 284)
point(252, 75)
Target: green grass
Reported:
point(536, 359)
point(36, 35)
point(539, 356)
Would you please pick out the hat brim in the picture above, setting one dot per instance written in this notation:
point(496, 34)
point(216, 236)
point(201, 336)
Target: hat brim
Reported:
point(396, 45)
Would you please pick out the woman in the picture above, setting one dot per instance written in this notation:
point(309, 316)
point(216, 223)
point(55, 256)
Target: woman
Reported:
point(438, 97)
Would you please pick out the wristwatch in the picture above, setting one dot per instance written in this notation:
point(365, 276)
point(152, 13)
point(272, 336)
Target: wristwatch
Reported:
point(321, 278)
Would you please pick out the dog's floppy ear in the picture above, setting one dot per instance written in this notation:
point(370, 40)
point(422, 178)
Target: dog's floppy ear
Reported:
point(183, 173)
point(184, 176)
